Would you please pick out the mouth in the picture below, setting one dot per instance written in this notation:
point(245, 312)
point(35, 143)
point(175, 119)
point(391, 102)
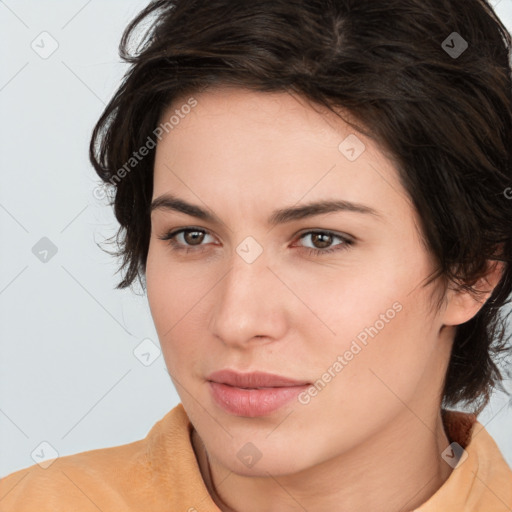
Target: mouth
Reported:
point(253, 394)
point(253, 380)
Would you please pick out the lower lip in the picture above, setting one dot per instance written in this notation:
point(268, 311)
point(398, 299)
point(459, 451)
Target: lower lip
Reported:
point(253, 402)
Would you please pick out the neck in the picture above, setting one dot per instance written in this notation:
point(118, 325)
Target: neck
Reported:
point(396, 470)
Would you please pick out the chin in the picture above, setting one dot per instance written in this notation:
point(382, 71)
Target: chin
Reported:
point(279, 463)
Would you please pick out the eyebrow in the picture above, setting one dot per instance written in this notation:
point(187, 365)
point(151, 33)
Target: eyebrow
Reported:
point(168, 202)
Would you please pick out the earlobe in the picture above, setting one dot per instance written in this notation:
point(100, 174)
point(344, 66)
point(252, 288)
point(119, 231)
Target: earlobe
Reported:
point(462, 305)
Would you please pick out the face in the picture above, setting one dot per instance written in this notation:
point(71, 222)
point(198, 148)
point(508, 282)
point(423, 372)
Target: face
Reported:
point(331, 298)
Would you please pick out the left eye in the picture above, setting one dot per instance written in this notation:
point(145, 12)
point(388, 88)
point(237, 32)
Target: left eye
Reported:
point(192, 238)
point(326, 237)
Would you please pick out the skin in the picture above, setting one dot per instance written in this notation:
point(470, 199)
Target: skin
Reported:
point(372, 438)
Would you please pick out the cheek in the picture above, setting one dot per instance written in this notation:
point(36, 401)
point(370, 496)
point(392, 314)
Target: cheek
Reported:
point(156, 286)
point(169, 290)
point(359, 304)
point(174, 299)
point(382, 363)
point(383, 330)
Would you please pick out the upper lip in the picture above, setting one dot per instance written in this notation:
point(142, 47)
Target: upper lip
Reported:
point(253, 379)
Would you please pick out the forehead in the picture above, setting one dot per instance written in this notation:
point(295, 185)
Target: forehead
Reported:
point(254, 147)
point(244, 110)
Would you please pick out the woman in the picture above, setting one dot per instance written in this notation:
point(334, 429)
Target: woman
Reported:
point(316, 197)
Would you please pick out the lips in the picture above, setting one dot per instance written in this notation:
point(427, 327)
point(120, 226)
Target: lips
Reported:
point(253, 380)
point(253, 394)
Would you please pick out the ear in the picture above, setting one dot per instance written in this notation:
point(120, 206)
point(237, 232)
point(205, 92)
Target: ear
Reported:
point(462, 306)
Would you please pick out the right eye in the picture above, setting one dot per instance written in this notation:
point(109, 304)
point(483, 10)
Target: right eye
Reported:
point(184, 233)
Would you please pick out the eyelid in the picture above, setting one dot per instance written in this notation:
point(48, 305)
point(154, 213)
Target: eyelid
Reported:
point(300, 234)
point(342, 235)
point(346, 239)
point(171, 235)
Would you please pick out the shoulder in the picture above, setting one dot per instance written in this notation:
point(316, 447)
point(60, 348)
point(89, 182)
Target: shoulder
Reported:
point(84, 481)
point(481, 478)
point(120, 478)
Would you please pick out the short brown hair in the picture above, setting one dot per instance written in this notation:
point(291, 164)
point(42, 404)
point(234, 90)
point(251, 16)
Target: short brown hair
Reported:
point(429, 81)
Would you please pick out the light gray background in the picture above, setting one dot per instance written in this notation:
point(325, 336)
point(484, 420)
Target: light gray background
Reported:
point(68, 374)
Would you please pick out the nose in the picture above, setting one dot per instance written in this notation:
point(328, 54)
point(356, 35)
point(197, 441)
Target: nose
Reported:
point(252, 306)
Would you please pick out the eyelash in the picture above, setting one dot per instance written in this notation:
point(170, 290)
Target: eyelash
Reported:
point(171, 235)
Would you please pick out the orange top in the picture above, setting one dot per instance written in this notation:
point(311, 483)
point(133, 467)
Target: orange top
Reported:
point(160, 473)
